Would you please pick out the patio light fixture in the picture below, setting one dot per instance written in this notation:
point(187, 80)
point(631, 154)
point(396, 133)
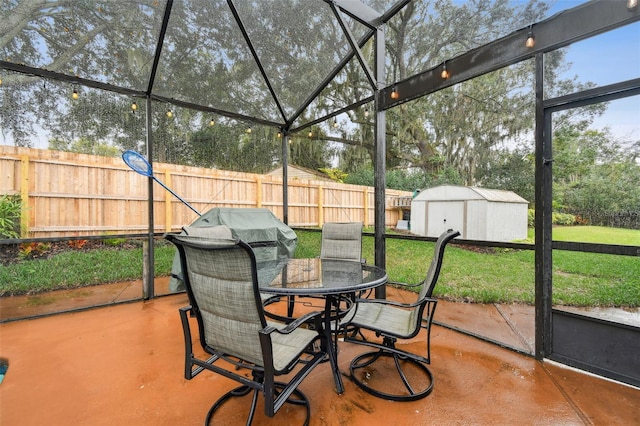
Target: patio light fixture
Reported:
point(310, 134)
point(445, 73)
point(134, 106)
point(394, 93)
point(169, 113)
point(75, 94)
point(531, 40)
point(248, 130)
point(212, 122)
point(335, 123)
point(366, 112)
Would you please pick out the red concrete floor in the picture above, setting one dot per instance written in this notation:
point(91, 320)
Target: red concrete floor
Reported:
point(123, 364)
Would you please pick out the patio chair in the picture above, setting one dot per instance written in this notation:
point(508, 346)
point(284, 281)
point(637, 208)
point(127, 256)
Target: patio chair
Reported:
point(221, 282)
point(340, 240)
point(215, 232)
point(176, 283)
point(392, 321)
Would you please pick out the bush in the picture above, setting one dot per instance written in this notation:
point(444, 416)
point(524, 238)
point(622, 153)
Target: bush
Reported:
point(114, 242)
point(10, 210)
point(556, 218)
point(562, 218)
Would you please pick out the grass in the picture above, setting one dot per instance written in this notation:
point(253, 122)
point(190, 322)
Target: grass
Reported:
point(593, 234)
point(72, 269)
point(502, 275)
point(508, 276)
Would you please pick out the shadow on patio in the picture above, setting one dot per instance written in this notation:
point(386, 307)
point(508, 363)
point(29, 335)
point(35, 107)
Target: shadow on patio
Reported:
point(123, 364)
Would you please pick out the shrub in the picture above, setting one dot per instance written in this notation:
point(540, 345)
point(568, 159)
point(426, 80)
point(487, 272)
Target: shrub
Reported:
point(10, 209)
point(33, 250)
point(562, 218)
point(115, 242)
point(556, 218)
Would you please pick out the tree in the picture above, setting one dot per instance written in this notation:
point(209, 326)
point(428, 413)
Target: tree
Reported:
point(229, 146)
point(458, 128)
point(84, 40)
point(310, 153)
point(84, 146)
point(205, 60)
point(594, 175)
point(512, 170)
point(405, 180)
point(461, 126)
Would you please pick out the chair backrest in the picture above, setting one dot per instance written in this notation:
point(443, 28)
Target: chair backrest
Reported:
point(215, 231)
point(342, 241)
point(415, 318)
point(436, 263)
point(222, 286)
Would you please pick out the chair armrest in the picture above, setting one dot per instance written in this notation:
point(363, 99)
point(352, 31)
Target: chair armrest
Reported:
point(186, 309)
point(293, 325)
point(405, 285)
point(390, 302)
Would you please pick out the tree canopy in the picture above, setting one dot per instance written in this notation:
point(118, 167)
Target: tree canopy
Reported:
point(479, 132)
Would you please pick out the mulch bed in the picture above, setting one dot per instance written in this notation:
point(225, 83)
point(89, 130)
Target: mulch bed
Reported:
point(15, 253)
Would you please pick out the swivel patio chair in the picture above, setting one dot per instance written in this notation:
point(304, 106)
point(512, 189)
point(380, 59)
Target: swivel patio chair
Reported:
point(341, 241)
point(221, 282)
point(391, 321)
point(219, 232)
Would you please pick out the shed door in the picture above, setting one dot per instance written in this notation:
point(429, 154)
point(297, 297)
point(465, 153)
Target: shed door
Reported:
point(443, 215)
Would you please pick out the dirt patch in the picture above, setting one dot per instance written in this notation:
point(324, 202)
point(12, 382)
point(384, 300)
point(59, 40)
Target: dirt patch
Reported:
point(15, 253)
point(8, 254)
point(477, 249)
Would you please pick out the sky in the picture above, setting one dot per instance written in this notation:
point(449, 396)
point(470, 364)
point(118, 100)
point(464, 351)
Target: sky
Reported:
point(605, 59)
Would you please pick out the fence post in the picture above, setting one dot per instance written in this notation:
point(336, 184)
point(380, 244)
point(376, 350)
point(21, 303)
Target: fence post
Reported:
point(258, 192)
point(168, 210)
point(320, 205)
point(24, 195)
point(365, 192)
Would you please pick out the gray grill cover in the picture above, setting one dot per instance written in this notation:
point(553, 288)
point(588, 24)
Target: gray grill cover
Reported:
point(270, 239)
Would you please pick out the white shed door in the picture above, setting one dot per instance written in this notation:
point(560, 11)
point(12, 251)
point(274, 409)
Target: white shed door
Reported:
point(443, 215)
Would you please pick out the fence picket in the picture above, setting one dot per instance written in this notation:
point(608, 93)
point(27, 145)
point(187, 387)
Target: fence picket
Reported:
point(77, 194)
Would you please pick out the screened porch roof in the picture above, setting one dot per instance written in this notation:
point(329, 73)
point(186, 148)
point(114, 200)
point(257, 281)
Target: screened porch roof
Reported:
point(275, 62)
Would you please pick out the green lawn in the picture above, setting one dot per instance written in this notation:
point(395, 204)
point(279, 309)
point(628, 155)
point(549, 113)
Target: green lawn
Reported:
point(500, 275)
point(72, 269)
point(594, 234)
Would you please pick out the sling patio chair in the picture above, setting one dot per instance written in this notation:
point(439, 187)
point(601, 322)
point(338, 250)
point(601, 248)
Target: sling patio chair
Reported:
point(221, 282)
point(340, 240)
point(391, 321)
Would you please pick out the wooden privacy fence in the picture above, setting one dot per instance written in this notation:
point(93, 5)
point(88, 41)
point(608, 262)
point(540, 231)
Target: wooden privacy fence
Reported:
point(67, 194)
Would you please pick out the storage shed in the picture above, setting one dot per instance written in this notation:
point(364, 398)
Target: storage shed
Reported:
point(478, 213)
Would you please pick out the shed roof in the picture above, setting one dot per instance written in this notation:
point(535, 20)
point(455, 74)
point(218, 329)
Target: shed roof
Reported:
point(458, 193)
point(299, 172)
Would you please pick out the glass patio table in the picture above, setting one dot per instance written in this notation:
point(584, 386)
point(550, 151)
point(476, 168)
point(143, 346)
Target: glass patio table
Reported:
point(330, 278)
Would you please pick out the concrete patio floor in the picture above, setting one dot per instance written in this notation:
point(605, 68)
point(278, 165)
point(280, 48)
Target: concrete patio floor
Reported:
point(123, 364)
